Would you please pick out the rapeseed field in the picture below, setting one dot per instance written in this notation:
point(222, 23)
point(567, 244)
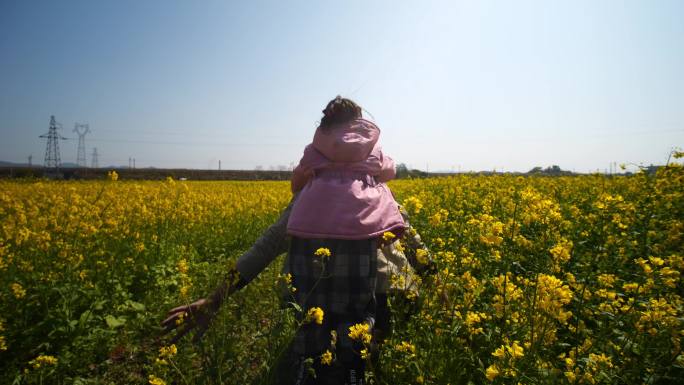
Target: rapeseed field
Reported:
point(537, 280)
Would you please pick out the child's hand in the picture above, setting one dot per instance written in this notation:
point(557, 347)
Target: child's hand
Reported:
point(300, 177)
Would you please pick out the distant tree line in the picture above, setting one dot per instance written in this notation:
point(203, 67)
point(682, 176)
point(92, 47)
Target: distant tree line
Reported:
point(553, 170)
point(404, 172)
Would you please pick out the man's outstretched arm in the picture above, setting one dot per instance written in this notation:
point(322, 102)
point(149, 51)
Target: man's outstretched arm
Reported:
point(199, 314)
point(268, 247)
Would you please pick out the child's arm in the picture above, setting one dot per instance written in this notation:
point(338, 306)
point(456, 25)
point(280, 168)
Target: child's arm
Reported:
point(300, 177)
point(388, 171)
point(311, 160)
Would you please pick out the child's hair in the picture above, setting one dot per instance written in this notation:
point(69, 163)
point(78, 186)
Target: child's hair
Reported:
point(339, 110)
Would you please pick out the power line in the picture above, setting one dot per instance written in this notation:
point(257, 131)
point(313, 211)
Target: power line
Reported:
point(195, 143)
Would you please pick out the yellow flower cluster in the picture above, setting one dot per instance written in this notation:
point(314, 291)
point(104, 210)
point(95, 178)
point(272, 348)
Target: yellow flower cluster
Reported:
point(166, 353)
point(388, 236)
point(315, 315)
point(326, 358)
point(506, 356)
point(473, 321)
point(490, 230)
point(18, 291)
point(186, 281)
point(659, 315)
point(413, 205)
point(507, 295)
point(422, 256)
point(43, 360)
point(561, 254)
point(3, 342)
point(552, 296)
point(154, 380)
point(513, 351)
point(360, 332)
point(406, 347)
point(439, 217)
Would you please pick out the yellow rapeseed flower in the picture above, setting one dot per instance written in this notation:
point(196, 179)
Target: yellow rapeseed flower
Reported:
point(406, 347)
point(413, 205)
point(3, 343)
point(286, 278)
point(315, 314)
point(18, 291)
point(43, 360)
point(323, 252)
point(182, 266)
point(181, 319)
point(492, 372)
point(570, 376)
point(168, 351)
point(388, 236)
point(360, 332)
point(500, 352)
point(630, 286)
point(326, 358)
point(154, 380)
point(422, 256)
point(515, 350)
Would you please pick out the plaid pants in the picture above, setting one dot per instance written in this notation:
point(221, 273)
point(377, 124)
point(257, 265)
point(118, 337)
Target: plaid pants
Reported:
point(343, 285)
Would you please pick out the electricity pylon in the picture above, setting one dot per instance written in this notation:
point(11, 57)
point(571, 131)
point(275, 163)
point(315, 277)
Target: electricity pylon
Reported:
point(94, 163)
point(52, 156)
point(81, 130)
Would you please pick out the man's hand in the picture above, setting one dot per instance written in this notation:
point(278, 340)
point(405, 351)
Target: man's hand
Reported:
point(197, 315)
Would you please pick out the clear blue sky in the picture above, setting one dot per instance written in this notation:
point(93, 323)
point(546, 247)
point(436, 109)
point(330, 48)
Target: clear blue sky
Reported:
point(474, 85)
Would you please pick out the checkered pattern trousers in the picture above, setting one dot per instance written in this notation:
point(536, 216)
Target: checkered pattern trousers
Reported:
point(343, 285)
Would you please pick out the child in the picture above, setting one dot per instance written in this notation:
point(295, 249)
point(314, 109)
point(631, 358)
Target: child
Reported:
point(341, 177)
point(342, 209)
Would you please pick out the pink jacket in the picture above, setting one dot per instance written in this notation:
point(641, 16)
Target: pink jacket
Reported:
point(342, 179)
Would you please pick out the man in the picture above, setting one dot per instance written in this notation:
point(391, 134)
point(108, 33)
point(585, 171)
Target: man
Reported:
point(395, 275)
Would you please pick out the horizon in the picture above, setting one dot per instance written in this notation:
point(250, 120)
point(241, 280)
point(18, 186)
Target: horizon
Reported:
point(453, 85)
point(613, 169)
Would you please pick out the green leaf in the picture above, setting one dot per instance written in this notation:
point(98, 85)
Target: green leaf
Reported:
point(99, 305)
point(296, 306)
point(85, 316)
point(115, 322)
point(137, 306)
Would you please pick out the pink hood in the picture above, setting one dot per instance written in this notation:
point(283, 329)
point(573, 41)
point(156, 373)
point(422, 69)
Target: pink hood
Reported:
point(341, 177)
point(350, 146)
point(347, 142)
